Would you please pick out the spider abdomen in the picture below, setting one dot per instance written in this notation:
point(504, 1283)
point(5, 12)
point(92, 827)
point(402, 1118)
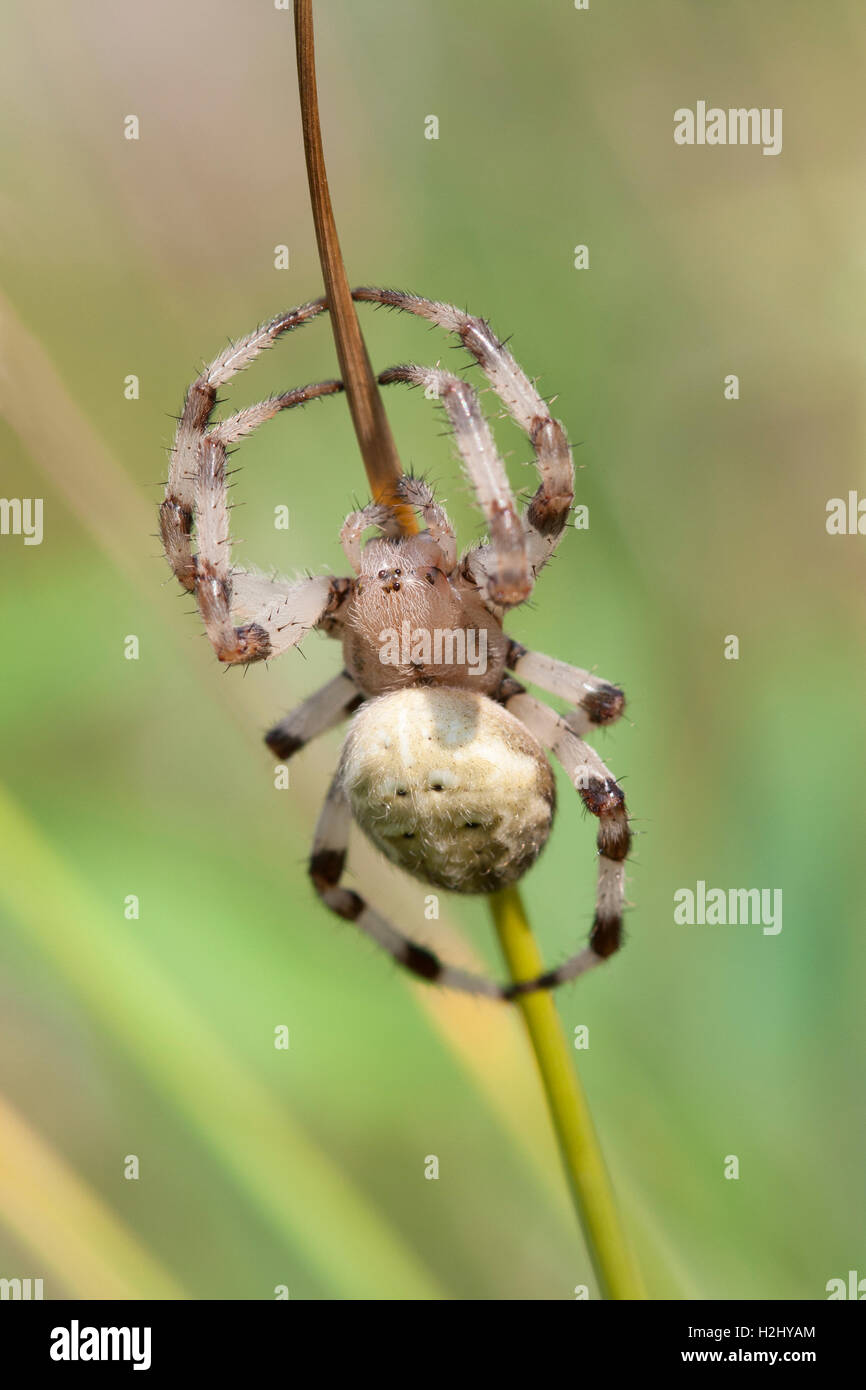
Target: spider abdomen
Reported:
point(449, 786)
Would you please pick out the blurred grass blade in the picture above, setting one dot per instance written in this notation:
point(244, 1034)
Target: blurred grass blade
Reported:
point(296, 1186)
point(67, 1225)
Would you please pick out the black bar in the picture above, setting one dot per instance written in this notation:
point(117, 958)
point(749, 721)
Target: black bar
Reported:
point(223, 1338)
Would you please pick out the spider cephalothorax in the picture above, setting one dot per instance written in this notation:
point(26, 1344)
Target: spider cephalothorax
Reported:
point(444, 765)
point(412, 618)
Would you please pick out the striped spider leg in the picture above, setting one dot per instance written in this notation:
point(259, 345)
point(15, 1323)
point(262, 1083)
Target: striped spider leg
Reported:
point(273, 616)
point(546, 516)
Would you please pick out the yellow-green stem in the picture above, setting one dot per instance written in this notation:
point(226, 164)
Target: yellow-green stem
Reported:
point(613, 1262)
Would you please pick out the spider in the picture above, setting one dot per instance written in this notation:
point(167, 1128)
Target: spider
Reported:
point(444, 765)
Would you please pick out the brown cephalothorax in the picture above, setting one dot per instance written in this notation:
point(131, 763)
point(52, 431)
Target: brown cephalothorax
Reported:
point(444, 766)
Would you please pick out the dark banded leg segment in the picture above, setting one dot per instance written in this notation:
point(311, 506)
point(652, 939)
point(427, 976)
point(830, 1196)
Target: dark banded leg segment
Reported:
point(176, 512)
point(597, 701)
point(326, 708)
point(247, 616)
point(508, 580)
point(273, 615)
point(547, 514)
point(327, 863)
point(603, 798)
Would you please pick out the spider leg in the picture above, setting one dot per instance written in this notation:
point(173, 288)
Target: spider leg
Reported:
point(275, 614)
point(327, 862)
point(547, 514)
point(419, 495)
point(598, 702)
point(247, 617)
point(324, 709)
point(176, 512)
point(602, 796)
point(236, 427)
point(507, 580)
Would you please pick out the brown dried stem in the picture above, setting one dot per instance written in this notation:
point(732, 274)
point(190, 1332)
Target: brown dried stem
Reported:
point(375, 440)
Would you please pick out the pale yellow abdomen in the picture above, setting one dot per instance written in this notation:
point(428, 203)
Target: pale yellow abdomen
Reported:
point(450, 786)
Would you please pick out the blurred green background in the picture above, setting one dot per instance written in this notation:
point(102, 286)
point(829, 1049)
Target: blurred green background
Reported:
point(155, 1037)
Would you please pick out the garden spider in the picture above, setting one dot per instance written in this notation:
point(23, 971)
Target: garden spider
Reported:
point(443, 766)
